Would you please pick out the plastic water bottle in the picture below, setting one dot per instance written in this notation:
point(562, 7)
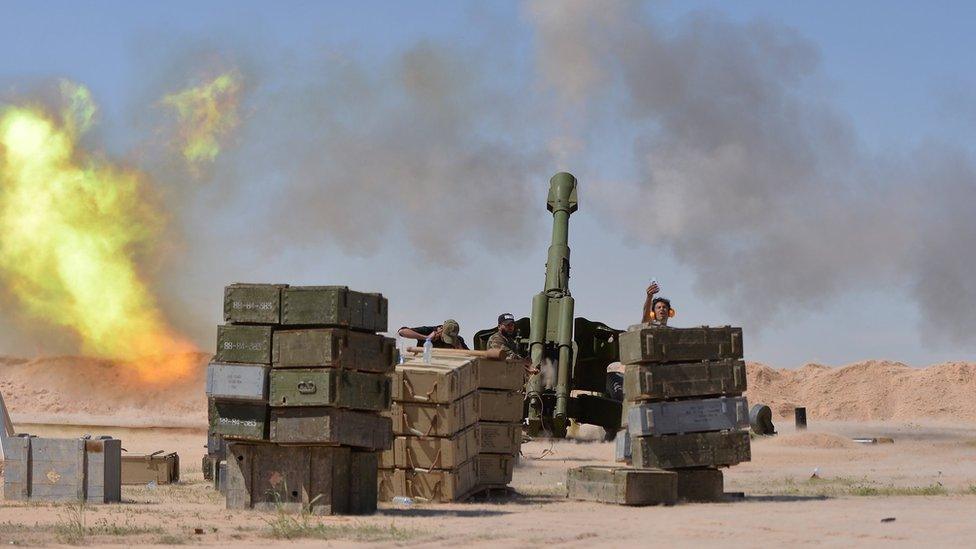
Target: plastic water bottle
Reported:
point(400, 348)
point(402, 500)
point(428, 347)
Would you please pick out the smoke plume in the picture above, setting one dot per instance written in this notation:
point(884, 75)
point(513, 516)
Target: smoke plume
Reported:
point(749, 175)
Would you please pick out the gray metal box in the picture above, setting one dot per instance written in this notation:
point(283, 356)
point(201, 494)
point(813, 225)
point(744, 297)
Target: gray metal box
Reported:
point(621, 447)
point(216, 445)
point(16, 468)
point(103, 470)
point(74, 469)
point(237, 381)
point(58, 469)
point(688, 416)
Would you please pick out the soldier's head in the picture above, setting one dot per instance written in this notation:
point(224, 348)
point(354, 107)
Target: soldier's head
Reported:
point(506, 324)
point(449, 331)
point(662, 309)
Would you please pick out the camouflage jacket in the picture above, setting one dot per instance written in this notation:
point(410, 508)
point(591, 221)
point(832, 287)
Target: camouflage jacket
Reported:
point(499, 341)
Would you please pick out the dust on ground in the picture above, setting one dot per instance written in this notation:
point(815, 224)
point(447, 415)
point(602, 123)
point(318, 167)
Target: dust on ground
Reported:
point(926, 481)
point(813, 487)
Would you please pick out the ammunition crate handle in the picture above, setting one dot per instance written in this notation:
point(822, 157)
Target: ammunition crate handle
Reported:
point(306, 387)
point(412, 464)
point(406, 423)
point(413, 392)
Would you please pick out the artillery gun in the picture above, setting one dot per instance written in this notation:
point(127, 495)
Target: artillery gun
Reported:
point(570, 354)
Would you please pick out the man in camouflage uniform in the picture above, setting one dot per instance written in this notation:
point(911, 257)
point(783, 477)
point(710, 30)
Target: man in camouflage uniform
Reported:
point(444, 336)
point(504, 338)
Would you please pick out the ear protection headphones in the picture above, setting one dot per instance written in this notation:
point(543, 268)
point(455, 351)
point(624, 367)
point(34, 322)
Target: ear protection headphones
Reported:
point(671, 312)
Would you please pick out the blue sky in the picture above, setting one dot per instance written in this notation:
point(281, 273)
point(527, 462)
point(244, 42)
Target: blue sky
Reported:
point(897, 71)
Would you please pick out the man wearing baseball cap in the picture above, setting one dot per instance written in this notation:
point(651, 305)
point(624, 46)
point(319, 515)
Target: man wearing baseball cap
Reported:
point(444, 336)
point(504, 338)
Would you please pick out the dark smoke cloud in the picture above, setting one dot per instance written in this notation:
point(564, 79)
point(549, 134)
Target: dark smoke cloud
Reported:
point(749, 175)
point(424, 144)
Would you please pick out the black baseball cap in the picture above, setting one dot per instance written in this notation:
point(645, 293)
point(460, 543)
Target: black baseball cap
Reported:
point(505, 317)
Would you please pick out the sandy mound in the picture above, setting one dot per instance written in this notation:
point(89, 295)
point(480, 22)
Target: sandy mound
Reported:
point(867, 391)
point(91, 391)
point(811, 440)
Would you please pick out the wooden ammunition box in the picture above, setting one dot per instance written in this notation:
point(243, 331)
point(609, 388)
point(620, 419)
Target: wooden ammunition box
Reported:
point(363, 480)
point(333, 306)
point(330, 387)
point(242, 343)
point(333, 348)
point(499, 405)
point(385, 479)
point(435, 452)
point(684, 380)
point(327, 425)
point(501, 374)
point(645, 343)
point(720, 449)
point(138, 469)
point(437, 420)
point(253, 303)
point(622, 485)
point(700, 485)
point(688, 416)
point(436, 485)
point(444, 381)
point(499, 438)
point(240, 420)
point(495, 469)
point(293, 479)
point(233, 381)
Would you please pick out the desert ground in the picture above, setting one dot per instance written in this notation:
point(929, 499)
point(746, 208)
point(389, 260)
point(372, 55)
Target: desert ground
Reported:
point(811, 487)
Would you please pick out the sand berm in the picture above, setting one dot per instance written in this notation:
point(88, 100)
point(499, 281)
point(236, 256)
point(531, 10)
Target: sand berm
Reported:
point(90, 391)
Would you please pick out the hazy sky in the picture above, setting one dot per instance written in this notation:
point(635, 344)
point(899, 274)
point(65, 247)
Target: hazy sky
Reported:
point(803, 170)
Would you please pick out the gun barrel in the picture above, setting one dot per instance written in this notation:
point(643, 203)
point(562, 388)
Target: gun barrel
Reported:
point(551, 331)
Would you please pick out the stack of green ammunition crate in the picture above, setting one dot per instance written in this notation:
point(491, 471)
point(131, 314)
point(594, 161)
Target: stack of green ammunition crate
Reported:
point(683, 404)
point(297, 390)
point(457, 423)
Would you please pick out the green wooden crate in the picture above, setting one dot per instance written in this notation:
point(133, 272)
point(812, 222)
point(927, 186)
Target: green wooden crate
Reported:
point(330, 387)
point(243, 343)
point(240, 419)
point(333, 348)
point(291, 479)
point(645, 343)
point(622, 485)
point(333, 306)
point(327, 425)
point(253, 303)
point(684, 380)
point(717, 449)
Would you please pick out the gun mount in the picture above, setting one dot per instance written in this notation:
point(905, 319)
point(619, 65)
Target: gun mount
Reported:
point(571, 354)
